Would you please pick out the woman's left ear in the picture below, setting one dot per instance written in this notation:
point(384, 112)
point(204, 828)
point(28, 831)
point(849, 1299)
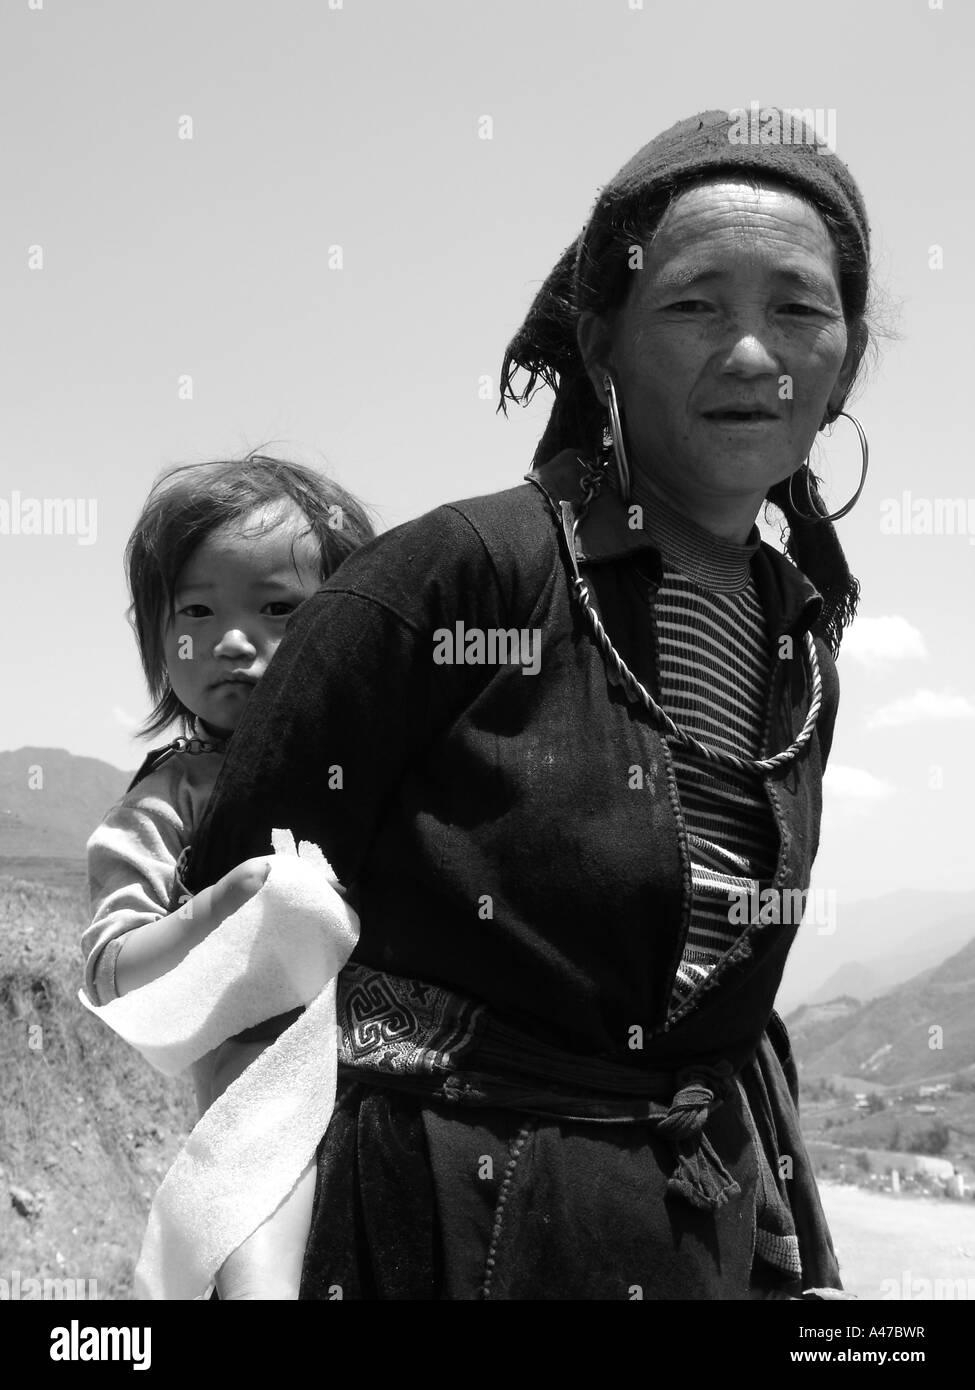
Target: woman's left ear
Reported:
point(855, 348)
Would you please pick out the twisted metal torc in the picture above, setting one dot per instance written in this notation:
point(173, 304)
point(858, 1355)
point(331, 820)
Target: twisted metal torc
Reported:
point(591, 484)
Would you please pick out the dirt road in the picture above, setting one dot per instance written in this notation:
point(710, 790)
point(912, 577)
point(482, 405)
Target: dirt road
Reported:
point(902, 1247)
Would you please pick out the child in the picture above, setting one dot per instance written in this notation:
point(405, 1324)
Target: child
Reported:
point(221, 556)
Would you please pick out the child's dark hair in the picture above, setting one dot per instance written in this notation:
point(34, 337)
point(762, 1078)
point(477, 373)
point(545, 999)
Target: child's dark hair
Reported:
point(185, 505)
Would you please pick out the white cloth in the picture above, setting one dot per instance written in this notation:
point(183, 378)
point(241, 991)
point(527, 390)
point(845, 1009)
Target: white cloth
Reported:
point(283, 949)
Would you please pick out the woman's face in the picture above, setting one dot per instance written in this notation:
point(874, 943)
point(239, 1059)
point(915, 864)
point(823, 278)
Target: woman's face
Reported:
point(729, 346)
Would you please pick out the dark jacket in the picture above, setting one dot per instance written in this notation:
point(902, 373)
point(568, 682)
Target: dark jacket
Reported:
point(486, 818)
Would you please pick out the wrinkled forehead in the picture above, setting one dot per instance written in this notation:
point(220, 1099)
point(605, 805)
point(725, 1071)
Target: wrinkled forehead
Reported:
point(726, 223)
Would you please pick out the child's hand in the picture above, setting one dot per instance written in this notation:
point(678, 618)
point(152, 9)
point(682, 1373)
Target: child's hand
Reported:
point(237, 887)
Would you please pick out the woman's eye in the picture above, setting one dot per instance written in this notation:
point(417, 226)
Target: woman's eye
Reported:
point(803, 310)
point(688, 306)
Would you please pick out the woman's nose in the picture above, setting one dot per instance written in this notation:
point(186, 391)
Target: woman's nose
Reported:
point(747, 350)
point(235, 642)
point(749, 353)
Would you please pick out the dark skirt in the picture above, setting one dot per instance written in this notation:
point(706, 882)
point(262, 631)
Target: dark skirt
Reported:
point(423, 1201)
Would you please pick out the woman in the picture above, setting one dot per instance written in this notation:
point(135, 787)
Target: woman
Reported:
point(553, 739)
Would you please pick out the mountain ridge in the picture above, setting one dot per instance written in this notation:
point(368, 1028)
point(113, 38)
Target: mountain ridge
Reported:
point(877, 944)
point(923, 1027)
point(51, 800)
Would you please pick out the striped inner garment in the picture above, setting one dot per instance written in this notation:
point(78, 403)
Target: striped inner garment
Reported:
point(715, 667)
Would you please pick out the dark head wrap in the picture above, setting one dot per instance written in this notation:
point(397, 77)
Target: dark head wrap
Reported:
point(592, 274)
point(704, 145)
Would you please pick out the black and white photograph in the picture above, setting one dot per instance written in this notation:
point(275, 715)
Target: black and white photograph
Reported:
point(487, 534)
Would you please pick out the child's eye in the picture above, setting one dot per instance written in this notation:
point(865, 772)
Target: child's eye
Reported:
point(279, 609)
point(194, 610)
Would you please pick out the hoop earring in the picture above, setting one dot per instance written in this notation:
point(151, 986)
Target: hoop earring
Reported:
point(616, 438)
point(834, 516)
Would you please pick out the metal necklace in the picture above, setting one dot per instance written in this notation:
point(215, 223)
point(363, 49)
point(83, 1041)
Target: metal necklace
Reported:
point(592, 481)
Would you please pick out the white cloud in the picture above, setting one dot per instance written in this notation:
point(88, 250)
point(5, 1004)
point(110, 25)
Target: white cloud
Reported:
point(920, 707)
point(852, 784)
point(876, 642)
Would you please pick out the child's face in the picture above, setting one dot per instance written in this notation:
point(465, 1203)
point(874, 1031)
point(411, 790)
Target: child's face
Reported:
point(234, 597)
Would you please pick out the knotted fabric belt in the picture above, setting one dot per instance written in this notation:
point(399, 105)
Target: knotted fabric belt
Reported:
point(408, 1035)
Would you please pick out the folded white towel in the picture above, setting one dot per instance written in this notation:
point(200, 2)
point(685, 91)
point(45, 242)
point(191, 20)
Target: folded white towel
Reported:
point(284, 948)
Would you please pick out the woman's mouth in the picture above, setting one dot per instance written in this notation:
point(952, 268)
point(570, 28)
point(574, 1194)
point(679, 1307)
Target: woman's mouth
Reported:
point(741, 417)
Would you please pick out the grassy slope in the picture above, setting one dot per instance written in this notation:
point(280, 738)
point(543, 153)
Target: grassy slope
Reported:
point(85, 1124)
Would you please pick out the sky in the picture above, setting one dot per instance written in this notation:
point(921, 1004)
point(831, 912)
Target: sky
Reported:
point(178, 174)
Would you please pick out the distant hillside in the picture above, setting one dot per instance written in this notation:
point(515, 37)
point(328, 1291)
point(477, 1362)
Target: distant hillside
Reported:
point(923, 950)
point(815, 1026)
point(51, 801)
point(894, 1038)
point(877, 943)
point(856, 981)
